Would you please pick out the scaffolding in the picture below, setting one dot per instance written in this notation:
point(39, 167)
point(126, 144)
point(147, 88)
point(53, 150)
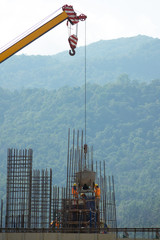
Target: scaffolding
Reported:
point(84, 211)
point(33, 203)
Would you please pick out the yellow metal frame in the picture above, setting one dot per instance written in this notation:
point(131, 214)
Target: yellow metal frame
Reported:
point(32, 36)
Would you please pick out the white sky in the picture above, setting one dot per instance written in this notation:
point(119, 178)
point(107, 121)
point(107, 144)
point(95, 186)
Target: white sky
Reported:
point(107, 19)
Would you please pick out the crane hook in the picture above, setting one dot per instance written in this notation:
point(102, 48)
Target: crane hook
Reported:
point(72, 52)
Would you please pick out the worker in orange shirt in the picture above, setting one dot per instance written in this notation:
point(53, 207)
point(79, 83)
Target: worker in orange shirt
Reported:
point(97, 191)
point(74, 191)
point(57, 224)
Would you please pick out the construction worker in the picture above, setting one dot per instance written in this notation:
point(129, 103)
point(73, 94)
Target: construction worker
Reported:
point(97, 191)
point(125, 234)
point(74, 191)
point(55, 224)
point(83, 196)
point(51, 224)
point(85, 187)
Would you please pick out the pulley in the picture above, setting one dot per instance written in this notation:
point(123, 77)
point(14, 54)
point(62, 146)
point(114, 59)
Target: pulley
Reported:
point(73, 19)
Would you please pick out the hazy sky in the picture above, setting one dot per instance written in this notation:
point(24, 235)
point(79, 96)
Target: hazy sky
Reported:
point(107, 19)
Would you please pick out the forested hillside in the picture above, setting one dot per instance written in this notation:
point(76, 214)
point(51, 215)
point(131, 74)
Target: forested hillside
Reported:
point(123, 125)
point(138, 57)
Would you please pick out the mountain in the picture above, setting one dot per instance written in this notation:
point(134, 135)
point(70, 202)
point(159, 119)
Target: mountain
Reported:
point(123, 126)
point(138, 57)
point(42, 96)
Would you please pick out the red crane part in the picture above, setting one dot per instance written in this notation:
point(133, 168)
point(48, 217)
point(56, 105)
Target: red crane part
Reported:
point(72, 16)
point(73, 39)
point(82, 17)
point(73, 19)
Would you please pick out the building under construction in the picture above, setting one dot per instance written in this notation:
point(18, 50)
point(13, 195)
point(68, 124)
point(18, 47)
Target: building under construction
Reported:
point(32, 201)
point(34, 204)
point(79, 208)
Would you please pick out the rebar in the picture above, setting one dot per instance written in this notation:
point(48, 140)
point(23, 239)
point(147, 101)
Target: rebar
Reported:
point(19, 182)
point(1, 224)
point(32, 202)
point(78, 165)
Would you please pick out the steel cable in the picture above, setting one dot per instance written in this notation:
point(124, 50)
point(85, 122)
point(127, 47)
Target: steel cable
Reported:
point(27, 32)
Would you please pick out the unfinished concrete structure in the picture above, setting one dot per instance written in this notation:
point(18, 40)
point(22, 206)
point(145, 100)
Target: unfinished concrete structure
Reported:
point(87, 213)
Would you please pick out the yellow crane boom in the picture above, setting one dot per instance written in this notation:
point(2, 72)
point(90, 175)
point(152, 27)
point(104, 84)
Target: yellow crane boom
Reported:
point(68, 13)
point(33, 36)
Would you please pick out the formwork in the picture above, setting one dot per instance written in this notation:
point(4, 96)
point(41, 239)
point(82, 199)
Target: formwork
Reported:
point(74, 213)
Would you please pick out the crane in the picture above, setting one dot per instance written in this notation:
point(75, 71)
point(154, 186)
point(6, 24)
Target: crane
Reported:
point(68, 13)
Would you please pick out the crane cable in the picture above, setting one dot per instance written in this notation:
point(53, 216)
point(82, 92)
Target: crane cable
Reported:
point(85, 76)
point(28, 31)
point(70, 29)
point(85, 110)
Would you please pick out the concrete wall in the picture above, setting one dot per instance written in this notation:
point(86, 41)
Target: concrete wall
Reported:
point(62, 236)
point(56, 236)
